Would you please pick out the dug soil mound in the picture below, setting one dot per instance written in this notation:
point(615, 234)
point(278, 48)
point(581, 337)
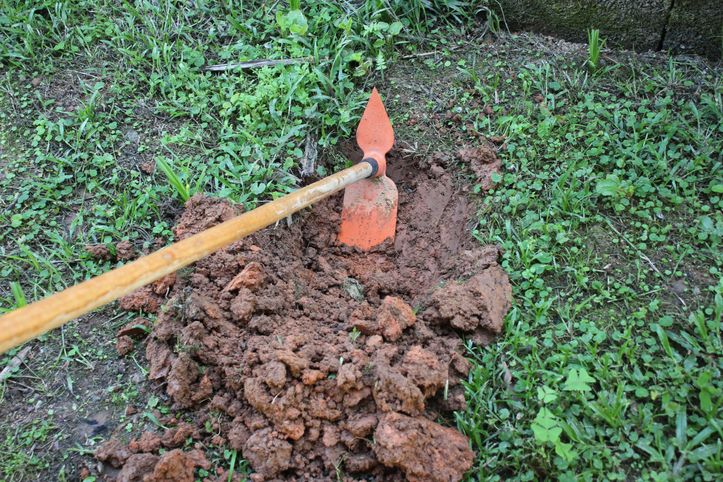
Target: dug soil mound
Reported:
point(317, 362)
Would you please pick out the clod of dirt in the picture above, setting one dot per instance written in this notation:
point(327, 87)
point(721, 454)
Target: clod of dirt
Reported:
point(143, 299)
point(175, 437)
point(393, 317)
point(148, 442)
point(99, 251)
point(159, 357)
point(113, 452)
point(478, 303)
point(125, 251)
point(150, 297)
point(483, 161)
point(124, 345)
point(424, 450)
point(173, 466)
point(393, 392)
point(251, 277)
point(177, 466)
point(137, 467)
point(422, 367)
point(138, 328)
point(201, 214)
point(268, 452)
point(259, 339)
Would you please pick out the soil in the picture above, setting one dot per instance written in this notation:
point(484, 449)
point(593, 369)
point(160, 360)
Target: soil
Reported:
point(483, 161)
point(124, 251)
point(99, 251)
point(313, 359)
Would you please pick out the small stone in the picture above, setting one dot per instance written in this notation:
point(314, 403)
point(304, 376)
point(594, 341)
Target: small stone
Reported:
point(132, 136)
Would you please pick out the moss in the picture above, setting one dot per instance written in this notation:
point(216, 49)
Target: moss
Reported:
point(626, 24)
point(683, 25)
point(695, 26)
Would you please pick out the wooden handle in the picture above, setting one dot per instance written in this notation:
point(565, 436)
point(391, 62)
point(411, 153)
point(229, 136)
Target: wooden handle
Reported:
point(37, 318)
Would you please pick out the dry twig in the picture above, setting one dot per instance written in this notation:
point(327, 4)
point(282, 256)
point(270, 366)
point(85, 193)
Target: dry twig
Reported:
point(16, 361)
point(255, 63)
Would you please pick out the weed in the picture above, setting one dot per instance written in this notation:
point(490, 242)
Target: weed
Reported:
point(18, 294)
point(609, 197)
point(181, 188)
point(232, 465)
point(594, 47)
point(22, 447)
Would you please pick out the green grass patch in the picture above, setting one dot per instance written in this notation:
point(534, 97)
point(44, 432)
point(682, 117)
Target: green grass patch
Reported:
point(609, 214)
point(23, 450)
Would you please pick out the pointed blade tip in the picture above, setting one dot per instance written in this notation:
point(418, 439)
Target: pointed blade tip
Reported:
point(375, 129)
point(374, 98)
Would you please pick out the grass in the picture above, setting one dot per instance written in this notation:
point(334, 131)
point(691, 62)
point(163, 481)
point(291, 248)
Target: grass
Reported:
point(140, 97)
point(608, 209)
point(594, 46)
point(21, 444)
point(609, 217)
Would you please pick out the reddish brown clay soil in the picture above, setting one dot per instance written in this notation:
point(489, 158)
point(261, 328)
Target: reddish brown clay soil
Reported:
point(314, 360)
point(483, 161)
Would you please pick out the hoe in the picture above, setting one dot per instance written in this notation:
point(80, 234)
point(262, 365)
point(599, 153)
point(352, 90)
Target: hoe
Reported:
point(368, 219)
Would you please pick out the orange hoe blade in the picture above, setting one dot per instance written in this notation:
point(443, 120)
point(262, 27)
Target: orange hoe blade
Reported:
point(369, 215)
